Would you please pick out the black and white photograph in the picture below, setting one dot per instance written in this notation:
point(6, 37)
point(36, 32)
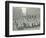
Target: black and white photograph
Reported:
point(24, 18)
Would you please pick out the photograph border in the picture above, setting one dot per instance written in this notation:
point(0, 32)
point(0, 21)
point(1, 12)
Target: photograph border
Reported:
point(7, 18)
